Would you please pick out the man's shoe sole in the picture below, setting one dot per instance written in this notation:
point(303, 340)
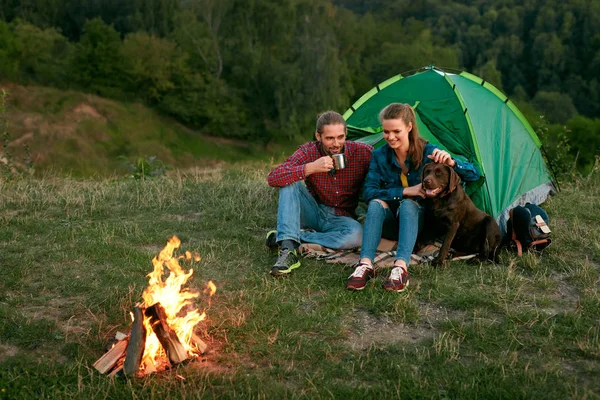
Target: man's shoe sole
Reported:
point(277, 271)
point(267, 241)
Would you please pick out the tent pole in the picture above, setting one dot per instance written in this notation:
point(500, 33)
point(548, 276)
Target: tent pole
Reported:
point(550, 165)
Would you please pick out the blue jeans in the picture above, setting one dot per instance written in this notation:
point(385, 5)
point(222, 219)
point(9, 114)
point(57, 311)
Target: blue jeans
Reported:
point(381, 221)
point(298, 210)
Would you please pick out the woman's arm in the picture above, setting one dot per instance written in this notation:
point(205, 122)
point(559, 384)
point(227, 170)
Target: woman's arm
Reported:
point(467, 171)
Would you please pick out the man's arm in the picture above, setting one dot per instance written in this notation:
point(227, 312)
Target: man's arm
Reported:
point(323, 164)
point(297, 167)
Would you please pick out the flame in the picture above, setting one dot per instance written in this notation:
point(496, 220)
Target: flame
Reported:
point(210, 288)
point(178, 302)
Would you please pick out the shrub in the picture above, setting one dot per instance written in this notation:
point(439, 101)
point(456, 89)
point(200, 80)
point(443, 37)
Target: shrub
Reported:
point(145, 167)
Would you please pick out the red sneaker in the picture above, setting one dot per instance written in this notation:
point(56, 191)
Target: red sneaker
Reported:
point(397, 281)
point(359, 278)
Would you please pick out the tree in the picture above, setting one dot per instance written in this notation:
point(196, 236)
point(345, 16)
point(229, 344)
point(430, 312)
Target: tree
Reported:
point(401, 56)
point(148, 65)
point(9, 56)
point(205, 102)
point(45, 55)
point(548, 61)
point(508, 22)
point(585, 140)
point(557, 107)
point(155, 17)
point(509, 54)
point(476, 42)
point(491, 74)
point(289, 69)
point(199, 33)
point(98, 60)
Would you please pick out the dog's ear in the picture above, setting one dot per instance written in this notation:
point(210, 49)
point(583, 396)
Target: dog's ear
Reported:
point(453, 179)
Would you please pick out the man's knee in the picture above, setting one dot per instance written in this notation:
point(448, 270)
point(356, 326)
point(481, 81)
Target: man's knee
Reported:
point(352, 237)
point(348, 236)
point(291, 187)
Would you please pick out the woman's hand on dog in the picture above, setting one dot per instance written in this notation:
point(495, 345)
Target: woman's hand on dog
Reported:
point(414, 191)
point(442, 157)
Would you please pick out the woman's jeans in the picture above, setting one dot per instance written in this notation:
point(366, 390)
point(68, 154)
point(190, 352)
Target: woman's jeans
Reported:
point(298, 210)
point(381, 221)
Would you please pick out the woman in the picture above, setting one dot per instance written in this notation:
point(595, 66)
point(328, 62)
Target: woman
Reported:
point(395, 196)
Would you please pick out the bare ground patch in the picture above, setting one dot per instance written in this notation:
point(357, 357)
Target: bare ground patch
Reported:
point(83, 110)
point(369, 330)
point(68, 313)
point(7, 350)
point(152, 249)
point(214, 362)
point(432, 314)
point(565, 297)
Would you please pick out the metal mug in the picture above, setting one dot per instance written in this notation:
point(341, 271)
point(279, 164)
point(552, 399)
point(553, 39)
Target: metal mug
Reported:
point(339, 161)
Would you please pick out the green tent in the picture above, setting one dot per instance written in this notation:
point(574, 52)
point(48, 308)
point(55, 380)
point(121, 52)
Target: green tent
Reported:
point(469, 118)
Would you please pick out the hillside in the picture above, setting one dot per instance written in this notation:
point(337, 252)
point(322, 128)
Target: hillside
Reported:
point(84, 135)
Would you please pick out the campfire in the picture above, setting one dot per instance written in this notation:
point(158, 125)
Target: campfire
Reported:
point(162, 333)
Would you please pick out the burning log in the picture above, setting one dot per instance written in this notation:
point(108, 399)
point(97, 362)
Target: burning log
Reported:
point(111, 357)
point(137, 343)
point(169, 310)
point(200, 344)
point(165, 334)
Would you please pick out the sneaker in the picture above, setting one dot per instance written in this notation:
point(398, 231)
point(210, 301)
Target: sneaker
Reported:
point(271, 240)
point(398, 280)
point(286, 262)
point(359, 278)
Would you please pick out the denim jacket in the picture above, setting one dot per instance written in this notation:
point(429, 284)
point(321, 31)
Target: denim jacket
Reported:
point(383, 179)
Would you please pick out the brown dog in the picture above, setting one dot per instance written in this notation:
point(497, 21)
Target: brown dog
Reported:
point(466, 227)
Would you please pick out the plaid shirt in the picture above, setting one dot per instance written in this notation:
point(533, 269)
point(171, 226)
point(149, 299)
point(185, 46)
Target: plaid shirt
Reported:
point(339, 189)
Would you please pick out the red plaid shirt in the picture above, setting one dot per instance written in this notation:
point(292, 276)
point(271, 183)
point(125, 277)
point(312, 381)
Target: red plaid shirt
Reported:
point(339, 189)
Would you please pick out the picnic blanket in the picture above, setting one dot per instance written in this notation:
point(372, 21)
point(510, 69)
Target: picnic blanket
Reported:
point(384, 257)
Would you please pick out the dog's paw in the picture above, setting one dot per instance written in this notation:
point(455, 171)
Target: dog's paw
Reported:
point(438, 262)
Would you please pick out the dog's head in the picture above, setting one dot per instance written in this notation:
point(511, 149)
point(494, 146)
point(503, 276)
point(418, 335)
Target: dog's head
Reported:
point(439, 179)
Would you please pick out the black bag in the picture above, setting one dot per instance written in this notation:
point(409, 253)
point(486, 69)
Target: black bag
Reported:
point(529, 229)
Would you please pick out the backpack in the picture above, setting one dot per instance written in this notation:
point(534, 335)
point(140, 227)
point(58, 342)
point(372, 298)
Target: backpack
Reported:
point(529, 229)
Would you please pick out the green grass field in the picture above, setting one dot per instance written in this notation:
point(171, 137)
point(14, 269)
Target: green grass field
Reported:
point(74, 255)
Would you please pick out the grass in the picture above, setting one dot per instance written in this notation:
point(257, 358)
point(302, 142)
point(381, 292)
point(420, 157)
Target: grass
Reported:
point(74, 255)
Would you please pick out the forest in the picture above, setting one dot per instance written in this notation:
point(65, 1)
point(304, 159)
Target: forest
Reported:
point(260, 70)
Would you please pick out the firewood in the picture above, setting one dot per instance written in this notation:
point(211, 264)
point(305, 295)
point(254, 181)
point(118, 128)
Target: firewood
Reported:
point(137, 343)
point(115, 371)
point(200, 344)
point(111, 357)
point(166, 335)
point(120, 335)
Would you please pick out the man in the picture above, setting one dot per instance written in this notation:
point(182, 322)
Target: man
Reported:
point(322, 209)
